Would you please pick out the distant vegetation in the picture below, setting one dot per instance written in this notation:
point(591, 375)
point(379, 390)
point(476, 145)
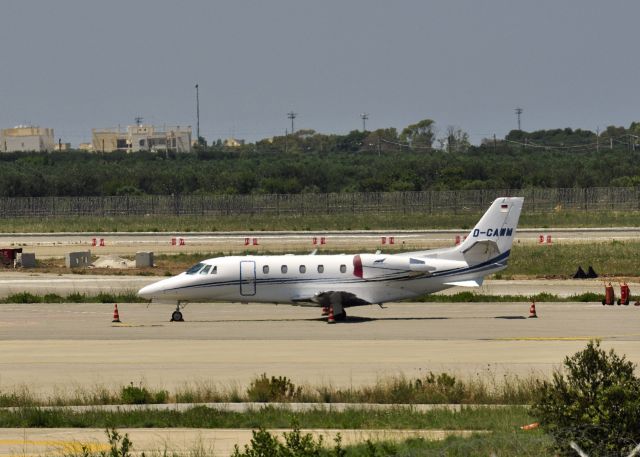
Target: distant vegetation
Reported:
point(384, 160)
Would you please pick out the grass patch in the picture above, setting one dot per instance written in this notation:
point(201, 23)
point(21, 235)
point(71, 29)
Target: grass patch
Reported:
point(610, 258)
point(344, 221)
point(471, 297)
point(271, 417)
point(461, 297)
point(75, 297)
point(302, 444)
point(433, 388)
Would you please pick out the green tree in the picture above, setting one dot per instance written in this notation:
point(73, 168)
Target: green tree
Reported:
point(419, 135)
point(595, 403)
point(456, 140)
point(381, 140)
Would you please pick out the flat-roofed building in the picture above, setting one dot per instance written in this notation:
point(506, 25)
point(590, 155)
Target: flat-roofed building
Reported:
point(27, 138)
point(233, 143)
point(87, 147)
point(142, 138)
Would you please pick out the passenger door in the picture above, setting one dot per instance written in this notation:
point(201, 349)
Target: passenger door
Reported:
point(247, 278)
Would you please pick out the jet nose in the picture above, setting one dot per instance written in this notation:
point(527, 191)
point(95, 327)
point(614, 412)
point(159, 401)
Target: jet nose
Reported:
point(149, 292)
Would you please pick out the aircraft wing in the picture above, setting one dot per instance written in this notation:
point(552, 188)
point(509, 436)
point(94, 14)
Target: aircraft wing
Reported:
point(347, 299)
point(477, 282)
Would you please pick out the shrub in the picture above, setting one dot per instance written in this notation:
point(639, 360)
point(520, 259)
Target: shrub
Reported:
point(53, 298)
point(23, 297)
point(595, 403)
point(76, 297)
point(132, 395)
point(104, 297)
point(296, 444)
point(264, 389)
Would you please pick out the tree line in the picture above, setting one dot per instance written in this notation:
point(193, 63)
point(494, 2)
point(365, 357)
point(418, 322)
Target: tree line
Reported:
point(308, 162)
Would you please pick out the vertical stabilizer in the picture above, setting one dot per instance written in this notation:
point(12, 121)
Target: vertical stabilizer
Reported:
point(498, 225)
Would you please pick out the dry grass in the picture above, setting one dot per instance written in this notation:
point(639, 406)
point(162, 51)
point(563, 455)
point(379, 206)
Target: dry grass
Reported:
point(437, 388)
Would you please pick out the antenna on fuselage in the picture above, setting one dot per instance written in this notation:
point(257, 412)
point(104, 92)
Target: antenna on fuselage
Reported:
point(378, 252)
point(314, 252)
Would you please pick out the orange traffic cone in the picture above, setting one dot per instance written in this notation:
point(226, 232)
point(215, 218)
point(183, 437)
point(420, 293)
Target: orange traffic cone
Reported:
point(325, 310)
point(331, 319)
point(530, 426)
point(116, 316)
point(532, 310)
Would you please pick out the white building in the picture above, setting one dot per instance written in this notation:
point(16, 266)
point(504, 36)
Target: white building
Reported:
point(27, 138)
point(142, 138)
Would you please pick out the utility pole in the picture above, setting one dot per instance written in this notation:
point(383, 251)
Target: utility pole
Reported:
point(518, 114)
point(598, 139)
point(286, 136)
point(197, 115)
point(364, 117)
point(291, 115)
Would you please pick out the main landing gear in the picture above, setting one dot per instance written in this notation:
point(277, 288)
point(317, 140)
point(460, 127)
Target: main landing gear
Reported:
point(176, 316)
point(335, 311)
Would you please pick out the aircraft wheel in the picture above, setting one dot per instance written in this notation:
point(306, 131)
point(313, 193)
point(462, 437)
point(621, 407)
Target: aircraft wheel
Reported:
point(176, 316)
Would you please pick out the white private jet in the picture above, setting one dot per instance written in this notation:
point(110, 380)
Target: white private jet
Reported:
point(336, 282)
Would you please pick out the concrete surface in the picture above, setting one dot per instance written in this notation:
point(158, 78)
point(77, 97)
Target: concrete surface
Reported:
point(73, 347)
point(18, 442)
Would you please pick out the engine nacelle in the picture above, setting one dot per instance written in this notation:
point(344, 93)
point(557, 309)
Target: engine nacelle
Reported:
point(369, 266)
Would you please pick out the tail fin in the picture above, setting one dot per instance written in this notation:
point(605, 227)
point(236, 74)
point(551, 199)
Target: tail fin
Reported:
point(495, 230)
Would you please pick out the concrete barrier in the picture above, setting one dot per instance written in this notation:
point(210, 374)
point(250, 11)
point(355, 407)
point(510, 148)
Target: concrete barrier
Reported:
point(26, 260)
point(144, 259)
point(77, 259)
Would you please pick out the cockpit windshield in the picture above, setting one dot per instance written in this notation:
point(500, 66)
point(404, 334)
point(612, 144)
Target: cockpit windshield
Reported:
point(195, 269)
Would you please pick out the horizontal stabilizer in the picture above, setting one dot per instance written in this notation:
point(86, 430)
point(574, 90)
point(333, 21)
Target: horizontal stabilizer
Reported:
point(469, 283)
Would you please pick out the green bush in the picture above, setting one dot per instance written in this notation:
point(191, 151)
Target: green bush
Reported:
point(264, 389)
point(104, 297)
point(296, 444)
point(595, 403)
point(76, 297)
point(132, 395)
point(23, 297)
point(53, 298)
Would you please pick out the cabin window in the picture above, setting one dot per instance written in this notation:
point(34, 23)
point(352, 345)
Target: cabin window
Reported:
point(303, 269)
point(283, 269)
point(205, 270)
point(265, 269)
point(343, 268)
point(320, 268)
point(194, 269)
point(214, 270)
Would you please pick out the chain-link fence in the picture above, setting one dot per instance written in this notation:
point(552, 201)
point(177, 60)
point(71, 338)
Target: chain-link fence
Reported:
point(430, 202)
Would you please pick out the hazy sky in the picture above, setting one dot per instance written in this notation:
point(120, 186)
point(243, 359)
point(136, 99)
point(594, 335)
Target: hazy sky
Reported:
point(78, 64)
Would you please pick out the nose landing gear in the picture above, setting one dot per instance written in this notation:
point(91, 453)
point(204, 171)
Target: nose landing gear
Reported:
point(176, 316)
